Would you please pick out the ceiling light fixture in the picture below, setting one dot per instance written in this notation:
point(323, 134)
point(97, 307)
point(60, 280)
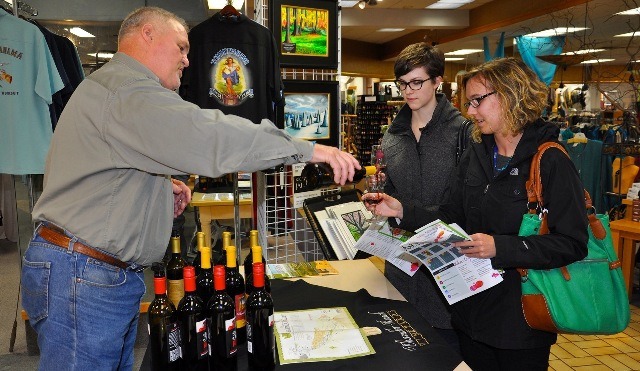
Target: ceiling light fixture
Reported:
point(101, 55)
point(556, 31)
point(391, 30)
point(449, 4)
point(628, 34)
point(80, 32)
point(464, 52)
point(363, 3)
point(219, 4)
point(593, 61)
point(583, 51)
point(635, 11)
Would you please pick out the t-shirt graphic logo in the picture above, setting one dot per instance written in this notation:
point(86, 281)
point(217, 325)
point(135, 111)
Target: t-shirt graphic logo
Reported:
point(231, 82)
point(4, 76)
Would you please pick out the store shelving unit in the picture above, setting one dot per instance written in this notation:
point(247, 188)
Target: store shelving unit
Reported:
point(371, 117)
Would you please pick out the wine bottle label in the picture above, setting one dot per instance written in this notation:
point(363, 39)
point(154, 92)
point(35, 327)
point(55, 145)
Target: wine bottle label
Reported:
point(202, 336)
point(174, 343)
point(175, 291)
point(240, 302)
point(249, 338)
point(272, 335)
point(231, 336)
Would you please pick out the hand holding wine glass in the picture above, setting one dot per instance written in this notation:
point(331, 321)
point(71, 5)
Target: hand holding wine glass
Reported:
point(374, 188)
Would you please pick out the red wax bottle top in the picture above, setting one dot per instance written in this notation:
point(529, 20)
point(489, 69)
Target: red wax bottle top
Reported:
point(189, 274)
point(258, 274)
point(159, 285)
point(219, 278)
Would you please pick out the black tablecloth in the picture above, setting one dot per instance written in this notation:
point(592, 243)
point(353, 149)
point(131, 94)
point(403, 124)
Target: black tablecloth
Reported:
point(407, 341)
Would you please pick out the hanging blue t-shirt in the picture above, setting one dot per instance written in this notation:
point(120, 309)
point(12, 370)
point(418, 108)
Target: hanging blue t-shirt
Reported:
point(28, 80)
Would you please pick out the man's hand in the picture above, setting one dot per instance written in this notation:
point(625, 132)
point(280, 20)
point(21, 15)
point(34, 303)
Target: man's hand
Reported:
point(181, 196)
point(342, 163)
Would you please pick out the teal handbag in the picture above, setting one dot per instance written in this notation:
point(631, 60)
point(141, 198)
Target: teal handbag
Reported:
point(586, 297)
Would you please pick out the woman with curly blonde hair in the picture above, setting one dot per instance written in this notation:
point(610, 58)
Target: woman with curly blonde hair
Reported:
point(488, 197)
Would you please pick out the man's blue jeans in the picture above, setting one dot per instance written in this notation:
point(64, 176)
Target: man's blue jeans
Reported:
point(84, 311)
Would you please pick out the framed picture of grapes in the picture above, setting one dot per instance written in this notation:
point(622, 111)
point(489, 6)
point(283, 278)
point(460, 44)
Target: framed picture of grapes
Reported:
point(306, 32)
point(311, 111)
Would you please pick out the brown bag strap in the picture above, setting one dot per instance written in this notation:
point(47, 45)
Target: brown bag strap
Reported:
point(534, 184)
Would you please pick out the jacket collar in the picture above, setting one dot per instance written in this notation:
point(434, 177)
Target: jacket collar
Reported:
point(534, 134)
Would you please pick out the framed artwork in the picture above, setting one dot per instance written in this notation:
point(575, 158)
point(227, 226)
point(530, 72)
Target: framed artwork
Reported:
point(311, 111)
point(306, 32)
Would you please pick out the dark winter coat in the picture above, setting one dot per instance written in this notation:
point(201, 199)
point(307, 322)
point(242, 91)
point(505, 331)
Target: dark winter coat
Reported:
point(411, 177)
point(481, 203)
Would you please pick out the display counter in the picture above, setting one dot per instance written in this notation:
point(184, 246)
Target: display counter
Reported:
point(406, 341)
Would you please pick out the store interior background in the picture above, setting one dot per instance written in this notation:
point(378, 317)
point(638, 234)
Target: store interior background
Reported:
point(366, 58)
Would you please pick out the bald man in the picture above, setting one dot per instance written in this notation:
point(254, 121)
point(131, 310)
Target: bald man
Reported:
point(107, 207)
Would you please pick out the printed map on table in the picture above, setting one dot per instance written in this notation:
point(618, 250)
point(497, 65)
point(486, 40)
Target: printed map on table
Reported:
point(322, 334)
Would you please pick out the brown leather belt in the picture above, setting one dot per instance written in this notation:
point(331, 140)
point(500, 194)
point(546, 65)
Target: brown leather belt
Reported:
point(57, 237)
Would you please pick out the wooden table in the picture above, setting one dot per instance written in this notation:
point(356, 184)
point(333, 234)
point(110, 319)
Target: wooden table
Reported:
point(625, 233)
point(219, 206)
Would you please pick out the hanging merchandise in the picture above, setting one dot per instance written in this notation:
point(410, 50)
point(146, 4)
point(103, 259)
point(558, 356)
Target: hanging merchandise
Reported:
point(28, 80)
point(233, 67)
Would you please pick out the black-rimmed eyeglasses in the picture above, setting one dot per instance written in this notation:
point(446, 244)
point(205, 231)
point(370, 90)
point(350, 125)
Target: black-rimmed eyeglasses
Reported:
point(475, 102)
point(413, 84)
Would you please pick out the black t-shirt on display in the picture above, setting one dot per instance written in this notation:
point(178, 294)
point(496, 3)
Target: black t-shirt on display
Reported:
point(234, 68)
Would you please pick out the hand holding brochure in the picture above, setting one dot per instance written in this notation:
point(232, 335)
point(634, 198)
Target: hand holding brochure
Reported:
point(457, 275)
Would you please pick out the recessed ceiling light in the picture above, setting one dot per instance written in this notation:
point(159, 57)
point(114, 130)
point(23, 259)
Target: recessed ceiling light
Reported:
point(628, 34)
point(583, 51)
point(448, 5)
point(80, 32)
point(464, 52)
point(349, 3)
point(635, 11)
point(219, 4)
point(556, 31)
point(453, 59)
point(391, 30)
point(592, 61)
point(101, 55)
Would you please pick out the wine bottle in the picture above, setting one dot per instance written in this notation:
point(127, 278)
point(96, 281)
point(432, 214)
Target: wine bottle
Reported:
point(164, 346)
point(235, 289)
point(203, 184)
point(314, 176)
point(175, 290)
point(200, 243)
point(256, 257)
point(193, 326)
point(221, 314)
point(204, 280)
point(249, 260)
point(220, 257)
point(261, 342)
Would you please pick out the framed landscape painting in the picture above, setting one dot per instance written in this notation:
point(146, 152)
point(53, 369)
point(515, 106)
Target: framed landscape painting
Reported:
point(311, 111)
point(306, 32)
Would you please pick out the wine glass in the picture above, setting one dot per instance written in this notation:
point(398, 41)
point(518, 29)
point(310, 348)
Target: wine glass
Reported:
point(374, 184)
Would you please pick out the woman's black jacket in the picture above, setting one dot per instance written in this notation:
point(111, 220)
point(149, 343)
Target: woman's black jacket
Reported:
point(482, 203)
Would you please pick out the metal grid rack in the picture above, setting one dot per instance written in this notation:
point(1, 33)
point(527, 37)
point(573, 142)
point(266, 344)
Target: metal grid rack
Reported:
point(282, 225)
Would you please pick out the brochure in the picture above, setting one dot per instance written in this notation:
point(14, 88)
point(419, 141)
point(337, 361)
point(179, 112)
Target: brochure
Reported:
point(301, 269)
point(383, 241)
point(457, 275)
